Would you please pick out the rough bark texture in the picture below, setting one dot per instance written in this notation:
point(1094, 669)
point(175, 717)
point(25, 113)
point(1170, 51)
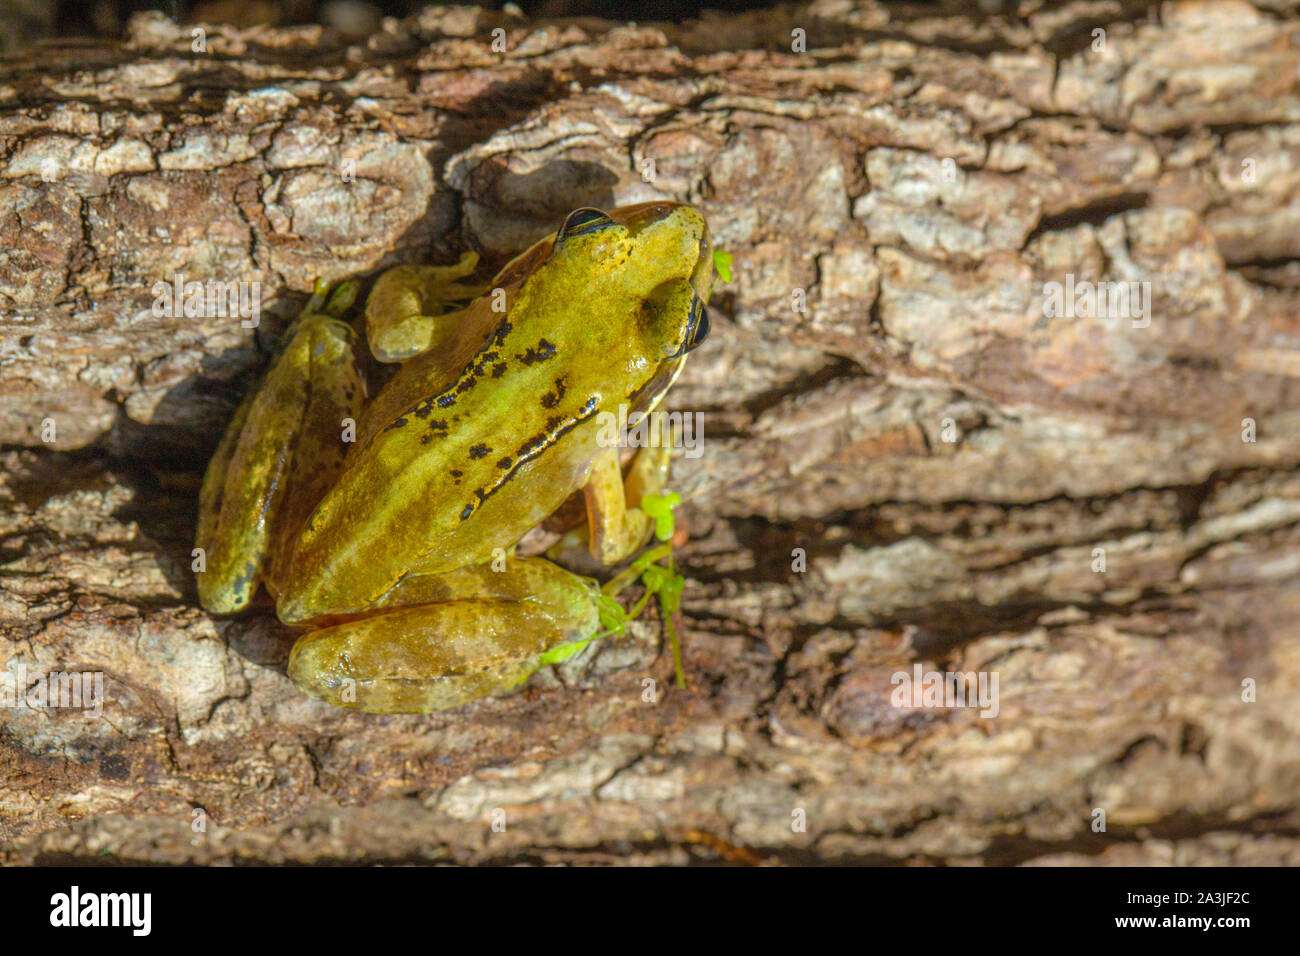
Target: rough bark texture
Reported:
point(947, 456)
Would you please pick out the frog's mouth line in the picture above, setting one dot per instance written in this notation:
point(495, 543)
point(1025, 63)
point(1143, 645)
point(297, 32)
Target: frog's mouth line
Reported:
point(646, 398)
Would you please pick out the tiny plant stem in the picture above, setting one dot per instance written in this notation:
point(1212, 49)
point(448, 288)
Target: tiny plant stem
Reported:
point(677, 651)
point(670, 614)
point(639, 606)
point(633, 571)
point(668, 589)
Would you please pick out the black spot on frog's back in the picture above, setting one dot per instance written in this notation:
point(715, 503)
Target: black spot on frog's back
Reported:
point(552, 398)
point(557, 428)
point(541, 352)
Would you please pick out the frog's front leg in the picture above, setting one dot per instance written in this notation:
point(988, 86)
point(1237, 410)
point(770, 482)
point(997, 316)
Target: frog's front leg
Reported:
point(412, 309)
point(437, 641)
point(617, 526)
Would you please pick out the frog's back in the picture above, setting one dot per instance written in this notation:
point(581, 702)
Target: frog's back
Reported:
point(471, 466)
point(453, 466)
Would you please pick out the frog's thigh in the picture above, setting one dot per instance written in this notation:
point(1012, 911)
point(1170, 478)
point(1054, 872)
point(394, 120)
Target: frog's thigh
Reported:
point(478, 631)
point(283, 447)
point(413, 308)
point(617, 525)
point(337, 392)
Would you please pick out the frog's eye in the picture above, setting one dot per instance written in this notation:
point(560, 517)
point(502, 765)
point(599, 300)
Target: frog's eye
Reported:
point(697, 326)
point(582, 221)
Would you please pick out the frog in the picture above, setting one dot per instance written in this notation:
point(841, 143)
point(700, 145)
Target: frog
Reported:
point(385, 526)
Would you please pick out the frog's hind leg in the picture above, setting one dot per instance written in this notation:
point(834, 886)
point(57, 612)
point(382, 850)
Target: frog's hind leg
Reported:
point(441, 640)
point(280, 453)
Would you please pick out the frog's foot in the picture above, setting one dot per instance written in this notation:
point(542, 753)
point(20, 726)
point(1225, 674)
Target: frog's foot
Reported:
point(441, 640)
point(412, 309)
point(617, 526)
point(281, 451)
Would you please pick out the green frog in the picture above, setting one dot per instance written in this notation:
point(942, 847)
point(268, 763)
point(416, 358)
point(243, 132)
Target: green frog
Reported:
point(387, 526)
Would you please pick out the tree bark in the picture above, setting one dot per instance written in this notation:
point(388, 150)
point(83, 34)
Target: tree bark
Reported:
point(907, 458)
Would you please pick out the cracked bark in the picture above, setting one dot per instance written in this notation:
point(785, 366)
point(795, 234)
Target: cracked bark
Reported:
point(948, 458)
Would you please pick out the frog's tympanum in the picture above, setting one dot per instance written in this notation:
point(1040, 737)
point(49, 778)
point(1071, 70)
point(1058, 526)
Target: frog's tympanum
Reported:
point(384, 545)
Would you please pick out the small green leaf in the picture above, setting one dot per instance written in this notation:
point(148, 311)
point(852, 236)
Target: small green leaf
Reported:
point(722, 261)
point(613, 619)
point(562, 652)
point(660, 507)
point(666, 584)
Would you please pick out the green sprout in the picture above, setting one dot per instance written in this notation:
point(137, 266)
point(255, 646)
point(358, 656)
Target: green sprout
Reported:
point(562, 652)
point(659, 580)
point(660, 507)
point(722, 261)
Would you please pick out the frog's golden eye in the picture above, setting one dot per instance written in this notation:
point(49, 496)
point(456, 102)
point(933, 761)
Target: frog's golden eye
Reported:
point(582, 221)
point(697, 326)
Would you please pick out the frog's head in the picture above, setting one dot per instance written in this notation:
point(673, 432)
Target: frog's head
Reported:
point(647, 271)
point(664, 248)
point(668, 247)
